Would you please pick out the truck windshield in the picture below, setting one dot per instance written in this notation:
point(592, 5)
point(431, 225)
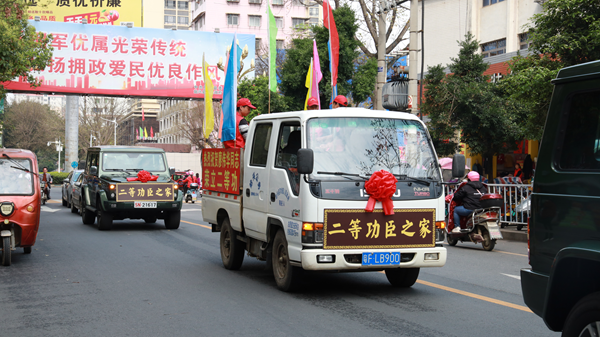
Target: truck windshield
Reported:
point(133, 161)
point(15, 180)
point(365, 145)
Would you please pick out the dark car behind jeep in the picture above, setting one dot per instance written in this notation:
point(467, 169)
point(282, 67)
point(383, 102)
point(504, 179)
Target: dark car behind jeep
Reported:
point(563, 284)
point(108, 194)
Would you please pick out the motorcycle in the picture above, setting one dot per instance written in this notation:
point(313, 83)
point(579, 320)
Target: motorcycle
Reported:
point(20, 194)
point(482, 226)
point(192, 193)
point(44, 190)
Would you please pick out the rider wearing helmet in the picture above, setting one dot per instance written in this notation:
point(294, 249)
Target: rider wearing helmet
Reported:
point(470, 195)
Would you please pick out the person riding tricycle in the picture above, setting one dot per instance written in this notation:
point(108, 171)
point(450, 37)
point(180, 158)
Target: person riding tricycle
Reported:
point(19, 201)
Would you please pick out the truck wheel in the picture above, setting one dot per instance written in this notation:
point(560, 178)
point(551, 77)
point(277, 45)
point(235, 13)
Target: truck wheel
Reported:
point(451, 241)
point(287, 276)
point(584, 318)
point(488, 244)
point(105, 219)
point(87, 217)
point(232, 249)
point(6, 251)
point(172, 220)
point(402, 277)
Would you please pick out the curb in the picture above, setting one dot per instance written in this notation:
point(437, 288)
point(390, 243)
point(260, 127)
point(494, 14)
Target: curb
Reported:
point(514, 235)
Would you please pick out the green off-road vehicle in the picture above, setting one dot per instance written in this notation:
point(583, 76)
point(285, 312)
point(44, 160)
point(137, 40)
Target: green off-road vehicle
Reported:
point(563, 284)
point(108, 194)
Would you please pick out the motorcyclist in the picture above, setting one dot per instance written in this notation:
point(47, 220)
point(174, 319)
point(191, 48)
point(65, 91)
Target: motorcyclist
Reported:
point(47, 179)
point(470, 195)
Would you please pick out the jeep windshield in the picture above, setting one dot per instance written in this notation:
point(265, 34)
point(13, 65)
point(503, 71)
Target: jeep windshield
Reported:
point(14, 180)
point(361, 146)
point(133, 161)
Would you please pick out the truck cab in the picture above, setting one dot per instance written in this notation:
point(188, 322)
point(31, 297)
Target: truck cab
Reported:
point(563, 284)
point(302, 196)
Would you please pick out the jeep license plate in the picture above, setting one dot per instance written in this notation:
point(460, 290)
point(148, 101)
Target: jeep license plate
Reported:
point(381, 259)
point(144, 204)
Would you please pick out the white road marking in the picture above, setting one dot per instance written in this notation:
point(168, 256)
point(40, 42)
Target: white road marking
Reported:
point(48, 209)
point(513, 276)
point(191, 210)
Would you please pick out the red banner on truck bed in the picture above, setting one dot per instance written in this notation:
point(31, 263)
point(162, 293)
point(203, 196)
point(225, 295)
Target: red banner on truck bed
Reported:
point(221, 171)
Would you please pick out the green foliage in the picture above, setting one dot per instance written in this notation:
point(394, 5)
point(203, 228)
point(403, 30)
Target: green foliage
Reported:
point(467, 101)
point(298, 57)
point(22, 48)
point(257, 91)
point(363, 83)
point(57, 177)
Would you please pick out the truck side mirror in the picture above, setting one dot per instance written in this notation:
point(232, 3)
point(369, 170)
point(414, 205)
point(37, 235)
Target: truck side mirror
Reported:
point(94, 170)
point(305, 161)
point(458, 166)
point(171, 171)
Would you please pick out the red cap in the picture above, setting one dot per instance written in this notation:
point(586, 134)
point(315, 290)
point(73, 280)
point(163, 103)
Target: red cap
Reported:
point(312, 101)
point(341, 100)
point(245, 102)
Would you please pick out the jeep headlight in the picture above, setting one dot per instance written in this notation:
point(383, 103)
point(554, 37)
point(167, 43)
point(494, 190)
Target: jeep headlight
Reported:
point(7, 208)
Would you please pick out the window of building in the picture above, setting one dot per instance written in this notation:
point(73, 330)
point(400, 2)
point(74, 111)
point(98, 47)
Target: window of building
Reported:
point(490, 2)
point(183, 20)
point(254, 20)
point(170, 4)
point(257, 43)
point(277, 2)
point(580, 150)
point(279, 21)
point(182, 5)
point(313, 11)
point(170, 19)
point(493, 48)
point(170, 12)
point(297, 2)
point(279, 44)
point(233, 19)
point(260, 145)
point(524, 42)
point(298, 22)
point(255, 1)
point(313, 21)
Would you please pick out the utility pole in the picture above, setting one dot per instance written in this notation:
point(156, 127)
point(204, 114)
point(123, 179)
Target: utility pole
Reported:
point(59, 148)
point(412, 56)
point(113, 121)
point(381, 44)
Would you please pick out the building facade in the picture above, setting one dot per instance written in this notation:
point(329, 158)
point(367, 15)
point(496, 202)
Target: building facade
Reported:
point(170, 118)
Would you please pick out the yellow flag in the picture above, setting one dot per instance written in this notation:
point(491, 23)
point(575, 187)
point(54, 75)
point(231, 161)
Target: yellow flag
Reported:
point(209, 114)
point(308, 84)
point(145, 133)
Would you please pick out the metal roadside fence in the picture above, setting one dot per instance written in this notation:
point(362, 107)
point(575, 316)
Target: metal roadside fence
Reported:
point(513, 195)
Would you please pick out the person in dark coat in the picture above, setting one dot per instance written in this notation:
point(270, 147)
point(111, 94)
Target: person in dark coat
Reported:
point(470, 195)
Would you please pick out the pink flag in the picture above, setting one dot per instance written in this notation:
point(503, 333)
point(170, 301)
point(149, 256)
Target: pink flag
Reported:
point(317, 75)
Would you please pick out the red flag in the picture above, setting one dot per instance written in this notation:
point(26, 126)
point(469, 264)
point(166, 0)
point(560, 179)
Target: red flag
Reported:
point(334, 41)
point(142, 113)
point(151, 132)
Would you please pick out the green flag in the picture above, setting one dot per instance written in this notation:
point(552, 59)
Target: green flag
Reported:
point(272, 27)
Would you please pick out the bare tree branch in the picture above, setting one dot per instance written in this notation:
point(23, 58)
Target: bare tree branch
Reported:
point(398, 39)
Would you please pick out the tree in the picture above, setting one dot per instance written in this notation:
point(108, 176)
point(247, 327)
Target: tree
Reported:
point(565, 33)
point(257, 91)
point(30, 125)
point(23, 49)
point(192, 126)
point(95, 111)
point(465, 100)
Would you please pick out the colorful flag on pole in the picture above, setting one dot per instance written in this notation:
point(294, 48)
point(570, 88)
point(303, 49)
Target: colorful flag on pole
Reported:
point(142, 113)
point(137, 134)
point(308, 83)
point(145, 133)
point(151, 132)
point(141, 133)
point(333, 44)
point(230, 92)
point(272, 30)
point(209, 114)
point(317, 74)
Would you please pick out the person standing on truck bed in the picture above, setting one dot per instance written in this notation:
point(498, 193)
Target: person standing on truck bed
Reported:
point(243, 109)
point(340, 100)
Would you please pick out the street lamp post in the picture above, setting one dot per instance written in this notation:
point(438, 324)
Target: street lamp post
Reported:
point(94, 137)
point(59, 148)
point(113, 121)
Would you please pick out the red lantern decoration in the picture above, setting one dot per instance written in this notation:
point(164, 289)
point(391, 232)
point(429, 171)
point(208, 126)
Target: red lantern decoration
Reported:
point(380, 187)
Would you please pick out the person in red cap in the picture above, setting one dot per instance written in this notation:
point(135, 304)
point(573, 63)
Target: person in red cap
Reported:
point(243, 109)
point(312, 104)
point(340, 100)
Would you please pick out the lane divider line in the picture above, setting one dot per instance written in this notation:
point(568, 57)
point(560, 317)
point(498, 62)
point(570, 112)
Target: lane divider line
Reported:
point(501, 251)
point(438, 286)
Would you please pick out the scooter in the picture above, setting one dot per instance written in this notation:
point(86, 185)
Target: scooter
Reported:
point(482, 226)
point(44, 192)
point(192, 193)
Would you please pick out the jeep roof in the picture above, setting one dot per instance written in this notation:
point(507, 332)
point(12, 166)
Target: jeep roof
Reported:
point(121, 148)
point(578, 72)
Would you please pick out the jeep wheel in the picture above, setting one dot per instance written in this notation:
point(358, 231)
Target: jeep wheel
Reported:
point(86, 215)
point(232, 249)
point(402, 277)
point(172, 220)
point(287, 276)
point(105, 219)
point(584, 318)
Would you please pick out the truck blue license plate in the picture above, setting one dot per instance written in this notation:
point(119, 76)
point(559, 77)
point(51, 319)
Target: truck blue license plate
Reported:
point(381, 259)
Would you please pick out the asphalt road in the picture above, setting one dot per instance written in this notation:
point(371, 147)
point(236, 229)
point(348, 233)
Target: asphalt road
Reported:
point(144, 280)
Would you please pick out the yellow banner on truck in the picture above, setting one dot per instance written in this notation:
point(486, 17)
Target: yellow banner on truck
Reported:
point(101, 12)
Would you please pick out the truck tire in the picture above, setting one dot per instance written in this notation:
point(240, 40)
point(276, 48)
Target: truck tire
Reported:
point(402, 277)
point(286, 276)
point(87, 217)
point(172, 220)
point(105, 219)
point(584, 318)
point(232, 249)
